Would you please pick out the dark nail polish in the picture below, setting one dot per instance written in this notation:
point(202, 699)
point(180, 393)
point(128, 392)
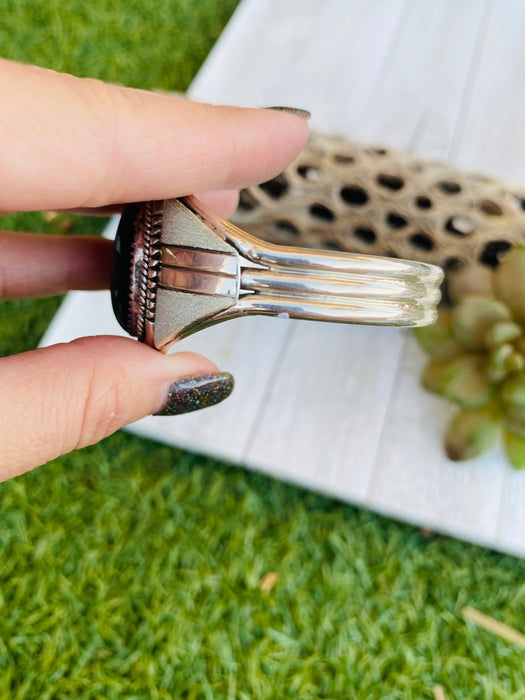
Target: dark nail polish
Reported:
point(196, 392)
point(304, 113)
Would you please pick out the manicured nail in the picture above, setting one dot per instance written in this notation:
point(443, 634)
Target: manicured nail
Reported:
point(304, 113)
point(196, 392)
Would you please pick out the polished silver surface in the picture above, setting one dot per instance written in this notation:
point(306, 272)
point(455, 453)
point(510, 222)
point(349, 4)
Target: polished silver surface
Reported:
point(199, 282)
point(211, 271)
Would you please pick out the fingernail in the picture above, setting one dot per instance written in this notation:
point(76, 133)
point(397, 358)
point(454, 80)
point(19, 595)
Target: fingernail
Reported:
point(304, 113)
point(196, 392)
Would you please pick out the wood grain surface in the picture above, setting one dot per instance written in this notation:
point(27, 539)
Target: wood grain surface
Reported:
point(333, 408)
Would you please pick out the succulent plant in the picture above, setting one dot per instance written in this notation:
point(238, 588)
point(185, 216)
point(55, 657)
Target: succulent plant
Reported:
point(477, 361)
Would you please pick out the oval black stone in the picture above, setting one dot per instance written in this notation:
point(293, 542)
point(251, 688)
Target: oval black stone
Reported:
point(121, 275)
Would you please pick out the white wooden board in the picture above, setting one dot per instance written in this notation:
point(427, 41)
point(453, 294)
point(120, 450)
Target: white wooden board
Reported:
point(339, 409)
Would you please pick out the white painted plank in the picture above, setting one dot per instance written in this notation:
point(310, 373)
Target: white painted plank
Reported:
point(493, 141)
point(292, 36)
point(412, 475)
point(492, 138)
point(418, 96)
point(510, 530)
point(340, 73)
point(325, 409)
point(322, 55)
point(426, 486)
point(334, 440)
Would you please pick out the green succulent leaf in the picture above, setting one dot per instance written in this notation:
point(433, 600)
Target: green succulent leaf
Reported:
point(513, 404)
point(520, 345)
point(515, 363)
point(462, 380)
point(473, 317)
point(508, 281)
point(437, 340)
point(502, 332)
point(497, 365)
point(471, 432)
point(515, 448)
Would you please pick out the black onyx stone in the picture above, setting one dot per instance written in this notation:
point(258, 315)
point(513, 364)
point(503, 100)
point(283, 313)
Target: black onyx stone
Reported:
point(121, 281)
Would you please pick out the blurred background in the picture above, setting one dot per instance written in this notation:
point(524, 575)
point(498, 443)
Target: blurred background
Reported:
point(133, 570)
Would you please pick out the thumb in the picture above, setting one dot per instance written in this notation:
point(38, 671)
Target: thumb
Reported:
point(61, 398)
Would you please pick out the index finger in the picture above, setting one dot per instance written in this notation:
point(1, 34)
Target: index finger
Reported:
point(69, 142)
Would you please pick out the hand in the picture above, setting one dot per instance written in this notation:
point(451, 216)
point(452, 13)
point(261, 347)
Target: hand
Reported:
point(70, 143)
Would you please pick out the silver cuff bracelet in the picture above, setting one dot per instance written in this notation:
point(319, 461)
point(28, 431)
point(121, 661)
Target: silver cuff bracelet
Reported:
point(179, 269)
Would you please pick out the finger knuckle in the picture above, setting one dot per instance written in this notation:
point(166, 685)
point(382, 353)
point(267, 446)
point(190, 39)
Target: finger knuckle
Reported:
point(103, 410)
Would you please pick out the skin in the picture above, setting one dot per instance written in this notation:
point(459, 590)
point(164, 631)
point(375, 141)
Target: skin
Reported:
point(68, 143)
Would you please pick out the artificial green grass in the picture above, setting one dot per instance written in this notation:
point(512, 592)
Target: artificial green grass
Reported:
point(132, 570)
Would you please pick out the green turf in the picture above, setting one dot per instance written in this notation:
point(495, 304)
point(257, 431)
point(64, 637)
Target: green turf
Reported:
point(131, 570)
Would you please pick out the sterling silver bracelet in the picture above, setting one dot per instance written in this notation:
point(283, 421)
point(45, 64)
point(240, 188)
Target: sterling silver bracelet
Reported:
point(179, 269)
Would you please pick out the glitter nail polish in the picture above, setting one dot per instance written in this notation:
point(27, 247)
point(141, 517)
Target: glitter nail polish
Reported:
point(196, 392)
point(304, 113)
